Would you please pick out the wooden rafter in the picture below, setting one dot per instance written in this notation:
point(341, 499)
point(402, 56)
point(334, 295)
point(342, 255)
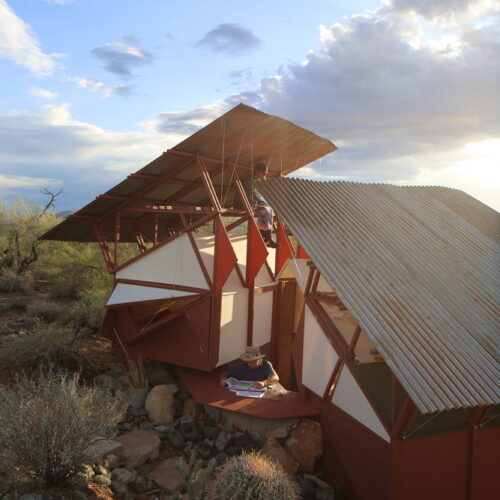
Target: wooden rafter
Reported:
point(152, 184)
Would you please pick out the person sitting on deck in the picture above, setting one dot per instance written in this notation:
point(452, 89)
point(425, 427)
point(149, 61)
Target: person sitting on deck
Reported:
point(252, 368)
point(263, 211)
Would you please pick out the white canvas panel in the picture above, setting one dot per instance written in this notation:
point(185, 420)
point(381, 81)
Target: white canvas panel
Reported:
point(233, 283)
point(239, 243)
point(319, 356)
point(206, 246)
point(174, 263)
point(125, 293)
point(349, 397)
point(323, 286)
point(263, 277)
point(298, 269)
point(271, 258)
point(233, 332)
point(262, 318)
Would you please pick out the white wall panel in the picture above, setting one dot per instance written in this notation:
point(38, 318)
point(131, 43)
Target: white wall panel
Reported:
point(262, 318)
point(349, 397)
point(206, 245)
point(319, 355)
point(174, 263)
point(263, 276)
point(125, 293)
point(234, 318)
point(298, 269)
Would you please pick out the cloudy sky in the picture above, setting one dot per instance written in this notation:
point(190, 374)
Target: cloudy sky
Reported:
point(92, 90)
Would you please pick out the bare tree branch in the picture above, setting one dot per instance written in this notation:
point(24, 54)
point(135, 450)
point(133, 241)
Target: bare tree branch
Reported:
point(52, 196)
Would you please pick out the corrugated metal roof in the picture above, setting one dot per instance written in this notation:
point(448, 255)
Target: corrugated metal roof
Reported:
point(244, 135)
point(418, 269)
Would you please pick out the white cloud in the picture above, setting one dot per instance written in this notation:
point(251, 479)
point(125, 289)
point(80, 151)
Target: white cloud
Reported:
point(21, 181)
point(86, 158)
point(445, 13)
point(107, 92)
point(42, 93)
point(19, 44)
point(400, 100)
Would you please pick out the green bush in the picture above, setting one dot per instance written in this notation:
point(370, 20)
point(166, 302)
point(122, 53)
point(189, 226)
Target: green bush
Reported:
point(47, 423)
point(86, 312)
point(42, 346)
point(11, 282)
point(252, 476)
point(63, 287)
point(47, 310)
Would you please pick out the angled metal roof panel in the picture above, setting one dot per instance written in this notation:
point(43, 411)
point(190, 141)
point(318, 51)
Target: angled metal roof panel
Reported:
point(418, 268)
point(243, 135)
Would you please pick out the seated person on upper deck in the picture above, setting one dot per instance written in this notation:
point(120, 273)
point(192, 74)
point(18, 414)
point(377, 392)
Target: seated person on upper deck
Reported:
point(253, 368)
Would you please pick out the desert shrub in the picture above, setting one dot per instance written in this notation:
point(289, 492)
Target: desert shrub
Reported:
point(47, 422)
point(86, 312)
point(63, 287)
point(42, 346)
point(18, 303)
point(252, 476)
point(46, 310)
point(22, 223)
point(11, 282)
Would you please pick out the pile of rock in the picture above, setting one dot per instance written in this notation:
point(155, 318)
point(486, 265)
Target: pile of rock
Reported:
point(141, 462)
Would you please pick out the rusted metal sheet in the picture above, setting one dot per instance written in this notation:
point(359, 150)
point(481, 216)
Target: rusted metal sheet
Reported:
point(243, 135)
point(418, 269)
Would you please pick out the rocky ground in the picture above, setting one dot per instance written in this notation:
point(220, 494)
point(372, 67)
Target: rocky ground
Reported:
point(163, 424)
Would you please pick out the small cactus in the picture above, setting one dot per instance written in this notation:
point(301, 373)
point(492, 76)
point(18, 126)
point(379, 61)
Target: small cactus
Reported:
point(195, 475)
point(252, 476)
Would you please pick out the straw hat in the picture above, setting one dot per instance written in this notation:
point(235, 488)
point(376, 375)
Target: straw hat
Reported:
point(251, 354)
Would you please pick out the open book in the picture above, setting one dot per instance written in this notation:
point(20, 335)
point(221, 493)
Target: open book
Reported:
point(236, 385)
point(250, 394)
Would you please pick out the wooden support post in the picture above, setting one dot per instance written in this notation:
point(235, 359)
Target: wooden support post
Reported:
point(478, 415)
point(209, 187)
point(104, 248)
point(243, 196)
point(155, 230)
point(354, 341)
point(334, 378)
point(315, 282)
point(139, 238)
point(204, 269)
point(404, 419)
point(251, 300)
point(309, 279)
point(117, 238)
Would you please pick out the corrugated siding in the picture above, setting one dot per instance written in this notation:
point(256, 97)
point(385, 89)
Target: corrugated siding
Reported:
point(244, 135)
point(417, 267)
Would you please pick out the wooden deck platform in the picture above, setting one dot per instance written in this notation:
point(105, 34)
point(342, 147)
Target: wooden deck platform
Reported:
point(206, 390)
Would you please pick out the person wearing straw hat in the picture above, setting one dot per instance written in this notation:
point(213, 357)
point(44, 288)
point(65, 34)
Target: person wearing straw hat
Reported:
point(252, 368)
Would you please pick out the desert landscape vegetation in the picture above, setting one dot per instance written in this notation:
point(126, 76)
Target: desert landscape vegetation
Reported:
point(65, 395)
